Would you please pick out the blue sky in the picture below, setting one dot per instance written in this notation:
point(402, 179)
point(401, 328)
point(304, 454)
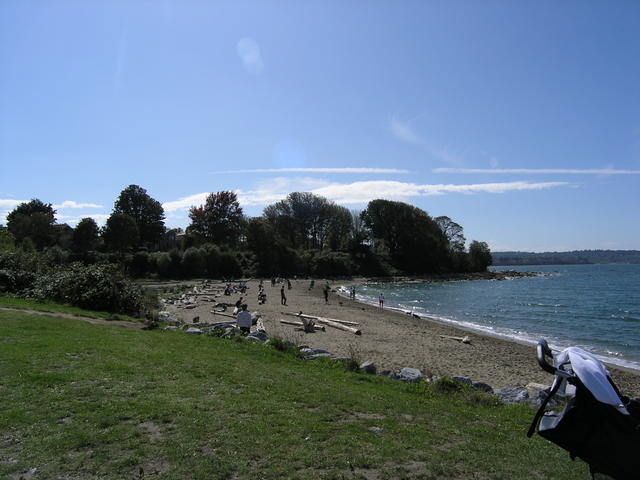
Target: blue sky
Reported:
point(519, 120)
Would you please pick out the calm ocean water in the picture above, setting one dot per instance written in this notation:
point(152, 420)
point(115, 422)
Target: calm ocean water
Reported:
point(596, 307)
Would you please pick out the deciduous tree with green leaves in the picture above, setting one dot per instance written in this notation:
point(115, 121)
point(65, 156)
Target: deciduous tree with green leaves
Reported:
point(146, 212)
point(120, 233)
point(85, 235)
point(33, 220)
point(220, 220)
point(480, 256)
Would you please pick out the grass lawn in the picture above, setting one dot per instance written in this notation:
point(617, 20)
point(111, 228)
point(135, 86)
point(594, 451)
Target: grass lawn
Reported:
point(82, 401)
point(12, 301)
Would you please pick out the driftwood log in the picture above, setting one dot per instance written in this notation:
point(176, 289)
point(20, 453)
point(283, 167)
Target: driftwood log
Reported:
point(223, 314)
point(300, 324)
point(329, 323)
point(465, 339)
point(315, 317)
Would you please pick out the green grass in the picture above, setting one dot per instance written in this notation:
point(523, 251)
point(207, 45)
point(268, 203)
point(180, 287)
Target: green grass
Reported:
point(29, 304)
point(80, 401)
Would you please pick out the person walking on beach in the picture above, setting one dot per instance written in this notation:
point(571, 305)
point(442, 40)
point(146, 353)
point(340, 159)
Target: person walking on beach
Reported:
point(325, 291)
point(381, 300)
point(283, 298)
point(243, 320)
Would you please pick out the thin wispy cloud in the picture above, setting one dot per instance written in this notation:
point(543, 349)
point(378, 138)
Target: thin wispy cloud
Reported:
point(317, 170)
point(249, 53)
point(403, 131)
point(585, 171)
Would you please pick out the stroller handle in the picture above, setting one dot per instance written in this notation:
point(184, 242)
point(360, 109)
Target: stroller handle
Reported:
point(543, 351)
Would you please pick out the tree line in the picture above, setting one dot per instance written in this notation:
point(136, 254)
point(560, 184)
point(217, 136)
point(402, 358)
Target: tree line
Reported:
point(576, 257)
point(303, 234)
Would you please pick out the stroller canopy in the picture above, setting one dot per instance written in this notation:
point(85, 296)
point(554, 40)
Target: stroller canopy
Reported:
point(592, 374)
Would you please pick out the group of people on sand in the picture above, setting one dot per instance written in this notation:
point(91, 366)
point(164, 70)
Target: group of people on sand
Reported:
point(231, 289)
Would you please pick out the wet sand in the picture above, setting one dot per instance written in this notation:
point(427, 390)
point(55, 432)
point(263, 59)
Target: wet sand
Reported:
point(394, 340)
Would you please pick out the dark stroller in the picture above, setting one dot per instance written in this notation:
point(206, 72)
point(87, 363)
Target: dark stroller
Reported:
point(598, 424)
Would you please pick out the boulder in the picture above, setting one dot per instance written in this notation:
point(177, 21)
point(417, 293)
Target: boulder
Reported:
point(258, 337)
point(314, 351)
point(513, 395)
point(171, 328)
point(465, 380)
point(228, 332)
point(368, 367)
point(482, 387)
point(411, 375)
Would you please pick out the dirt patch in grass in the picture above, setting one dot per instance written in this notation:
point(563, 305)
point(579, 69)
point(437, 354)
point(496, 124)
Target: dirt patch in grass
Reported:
point(95, 321)
point(153, 431)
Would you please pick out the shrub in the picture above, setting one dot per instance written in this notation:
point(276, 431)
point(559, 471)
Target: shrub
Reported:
point(95, 287)
point(229, 265)
point(211, 255)
point(163, 264)
point(332, 264)
point(193, 263)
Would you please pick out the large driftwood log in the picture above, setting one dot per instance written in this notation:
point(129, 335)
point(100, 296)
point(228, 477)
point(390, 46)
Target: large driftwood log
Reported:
point(315, 317)
point(330, 323)
point(465, 339)
point(223, 314)
point(300, 324)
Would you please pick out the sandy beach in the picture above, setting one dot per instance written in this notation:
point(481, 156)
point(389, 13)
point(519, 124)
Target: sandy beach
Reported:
point(394, 340)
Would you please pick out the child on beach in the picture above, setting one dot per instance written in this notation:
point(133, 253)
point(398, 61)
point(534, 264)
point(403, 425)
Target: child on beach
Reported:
point(381, 300)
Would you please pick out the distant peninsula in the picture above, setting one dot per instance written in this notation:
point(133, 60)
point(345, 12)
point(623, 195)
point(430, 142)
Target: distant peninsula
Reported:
point(576, 257)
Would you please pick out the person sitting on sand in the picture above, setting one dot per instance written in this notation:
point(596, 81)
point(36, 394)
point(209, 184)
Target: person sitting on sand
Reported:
point(262, 298)
point(381, 300)
point(243, 320)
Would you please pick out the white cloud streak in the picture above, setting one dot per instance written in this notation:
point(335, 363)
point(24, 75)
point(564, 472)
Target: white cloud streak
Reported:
point(249, 53)
point(356, 192)
point(363, 192)
point(586, 171)
point(185, 202)
point(10, 203)
point(318, 170)
point(72, 220)
point(72, 204)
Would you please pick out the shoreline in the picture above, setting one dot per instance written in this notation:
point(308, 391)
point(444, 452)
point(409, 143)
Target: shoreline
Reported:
point(394, 340)
point(609, 362)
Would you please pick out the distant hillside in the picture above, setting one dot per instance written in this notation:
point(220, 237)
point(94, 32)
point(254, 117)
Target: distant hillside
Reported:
point(566, 258)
